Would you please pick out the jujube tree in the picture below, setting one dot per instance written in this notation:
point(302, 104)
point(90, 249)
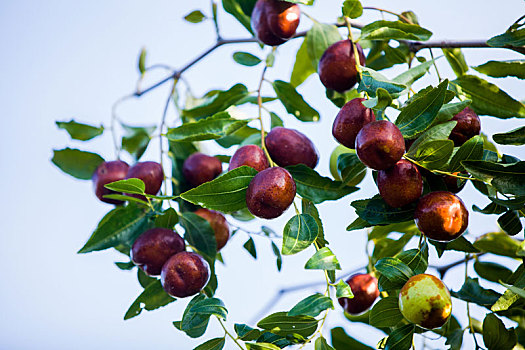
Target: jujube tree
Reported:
point(421, 147)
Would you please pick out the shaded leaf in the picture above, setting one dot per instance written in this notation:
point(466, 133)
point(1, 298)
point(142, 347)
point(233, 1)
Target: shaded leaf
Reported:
point(80, 131)
point(195, 16)
point(496, 336)
point(246, 59)
point(299, 233)
point(302, 67)
point(294, 102)
point(514, 137)
point(396, 30)
point(456, 60)
point(386, 313)
point(282, 324)
point(312, 306)
point(501, 69)
point(323, 259)
point(153, 297)
point(211, 128)
point(401, 338)
point(318, 39)
point(77, 163)
point(217, 102)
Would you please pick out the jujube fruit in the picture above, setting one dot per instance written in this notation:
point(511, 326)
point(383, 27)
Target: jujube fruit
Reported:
point(453, 183)
point(337, 68)
point(200, 168)
point(291, 147)
point(441, 216)
point(218, 224)
point(350, 120)
point(380, 145)
point(108, 172)
point(185, 274)
point(250, 155)
point(275, 21)
point(468, 125)
point(401, 184)
point(365, 290)
point(154, 247)
point(150, 173)
point(425, 301)
point(270, 193)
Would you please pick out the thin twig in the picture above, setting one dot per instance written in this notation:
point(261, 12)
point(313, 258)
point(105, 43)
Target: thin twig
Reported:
point(229, 334)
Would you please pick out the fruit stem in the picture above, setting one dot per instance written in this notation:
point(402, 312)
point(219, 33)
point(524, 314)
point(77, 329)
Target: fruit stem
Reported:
point(354, 47)
point(434, 64)
point(388, 11)
point(161, 128)
point(260, 105)
point(226, 333)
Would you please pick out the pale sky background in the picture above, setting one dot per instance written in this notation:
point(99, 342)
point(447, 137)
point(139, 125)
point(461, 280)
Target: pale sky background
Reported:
point(71, 59)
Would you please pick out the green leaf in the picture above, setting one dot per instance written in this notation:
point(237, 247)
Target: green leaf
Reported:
point(168, 219)
point(418, 116)
point(294, 102)
point(506, 178)
point(320, 342)
point(460, 244)
point(386, 313)
point(416, 259)
point(491, 271)
point(323, 259)
point(125, 198)
point(302, 67)
point(401, 338)
point(211, 128)
point(514, 137)
point(456, 60)
point(376, 212)
point(246, 332)
point(141, 63)
point(496, 336)
point(433, 154)
point(195, 16)
point(77, 163)
point(133, 185)
point(227, 193)
point(199, 234)
point(394, 271)
point(275, 120)
point(491, 208)
point(341, 341)
point(318, 39)
point(358, 224)
point(153, 297)
point(487, 98)
point(212, 344)
point(246, 59)
point(262, 346)
point(304, 2)
point(518, 291)
point(351, 169)
point(121, 225)
point(510, 222)
point(449, 110)
point(237, 137)
point(79, 131)
point(386, 247)
point(372, 80)
point(343, 290)
point(312, 306)
point(501, 69)
point(192, 323)
point(395, 30)
point(472, 292)
point(217, 102)
point(211, 306)
point(408, 77)
point(125, 266)
point(136, 139)
point(438, 132)
point(498, 243)
point(309, 208)
point(250, 247)
point(352, 8)
point(279, 258)
point(282, 324)
point(315, 187)
point(510, 37)
point(470, 150)
point(299, 233)
point(241, 10)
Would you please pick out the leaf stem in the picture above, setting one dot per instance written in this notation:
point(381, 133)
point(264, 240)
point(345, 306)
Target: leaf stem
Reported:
point(260, 107)
point(390, 12)
point(434, 64)
point(229, 334)
point(354, 47)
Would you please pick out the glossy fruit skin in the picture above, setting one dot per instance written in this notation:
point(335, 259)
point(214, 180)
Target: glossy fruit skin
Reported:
point(275, 21)
point(365, 290)
point(350, 120)
point(154, 247)
point(149, 172)
point(250, 155)
point(185, 274)
point(380, 145)
point(270, 193)
point(425, 301)
point(218, 224)
point(200, 168)
point(337, 69)
point(339, 150)
point(441, 216)
point(108, 172)
point(291, 147)
point(468, 126)
point(401, 184)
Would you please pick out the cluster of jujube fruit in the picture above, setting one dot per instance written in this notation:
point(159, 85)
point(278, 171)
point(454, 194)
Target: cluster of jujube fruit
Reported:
point(379, 144)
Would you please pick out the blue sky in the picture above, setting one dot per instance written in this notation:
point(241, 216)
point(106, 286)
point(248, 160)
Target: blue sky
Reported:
point(64, 59)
